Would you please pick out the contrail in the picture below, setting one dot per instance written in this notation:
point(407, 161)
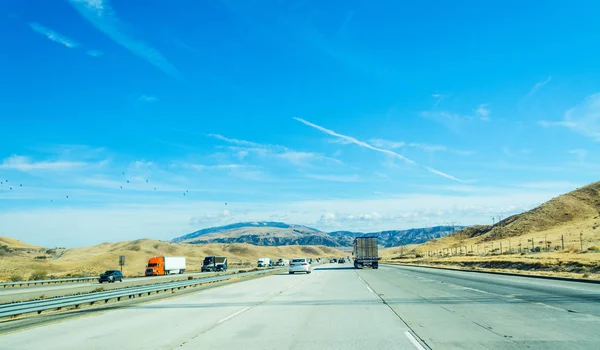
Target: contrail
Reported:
point(371, 147)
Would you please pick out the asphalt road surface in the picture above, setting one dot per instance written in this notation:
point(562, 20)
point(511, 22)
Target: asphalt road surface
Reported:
point(337, 307)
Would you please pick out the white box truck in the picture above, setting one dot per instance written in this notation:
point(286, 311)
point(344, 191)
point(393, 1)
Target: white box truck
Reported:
point(264, 262)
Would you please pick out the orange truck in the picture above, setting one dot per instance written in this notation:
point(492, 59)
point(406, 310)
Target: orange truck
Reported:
point(165, 265)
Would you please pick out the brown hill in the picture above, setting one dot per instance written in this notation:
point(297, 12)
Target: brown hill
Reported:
point(560, 219)
point(13, 243)
point(95, 259)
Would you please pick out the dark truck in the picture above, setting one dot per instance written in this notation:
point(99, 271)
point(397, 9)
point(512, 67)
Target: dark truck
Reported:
point(214, 264)
point(365, 253)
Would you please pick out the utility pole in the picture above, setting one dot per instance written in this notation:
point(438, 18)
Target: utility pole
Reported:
point(500, 224)
point(581, 240)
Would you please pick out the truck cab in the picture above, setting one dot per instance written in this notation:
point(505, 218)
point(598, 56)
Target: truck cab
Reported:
point(155, 266)
point(165, 265)
point(214, 264)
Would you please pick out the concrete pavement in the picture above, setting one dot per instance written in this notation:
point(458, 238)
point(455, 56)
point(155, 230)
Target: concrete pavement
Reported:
point(465, 310)
point(328, 309)
point(337, 307)
point(9, 295)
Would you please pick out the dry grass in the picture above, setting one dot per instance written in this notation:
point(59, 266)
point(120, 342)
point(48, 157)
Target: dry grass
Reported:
point(95, 259)
point(571, 220)
point(573, 265)
point(13, 243)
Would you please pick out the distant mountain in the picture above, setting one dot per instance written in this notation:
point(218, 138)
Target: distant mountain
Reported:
point(267, 233)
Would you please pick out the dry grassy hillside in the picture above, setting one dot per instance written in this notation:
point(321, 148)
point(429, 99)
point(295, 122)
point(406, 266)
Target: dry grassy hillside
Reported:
point(95, 259)
point(561, 236)
point(13, 243)
point(562, 218)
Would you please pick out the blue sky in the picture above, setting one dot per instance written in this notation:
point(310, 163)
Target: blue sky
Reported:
point(339, 115)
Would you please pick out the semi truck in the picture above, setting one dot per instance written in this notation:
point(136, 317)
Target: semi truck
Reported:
point(165, 265)
point(214, 264)
point(264, 262)
point(365, 252)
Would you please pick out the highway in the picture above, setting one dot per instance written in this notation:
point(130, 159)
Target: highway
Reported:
point(8, 295)
point(337, 307)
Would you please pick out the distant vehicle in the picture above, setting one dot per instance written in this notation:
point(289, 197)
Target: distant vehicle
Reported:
point(165, 265)
point(264, 262)
point(365, 252)
point(214, 264)
point(300, 265)
point(111, 276)
point(282, 262)
point(331, 261)
point(310, 260)
point(342, 261)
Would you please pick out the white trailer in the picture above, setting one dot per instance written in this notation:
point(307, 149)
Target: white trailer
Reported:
point(174, 265)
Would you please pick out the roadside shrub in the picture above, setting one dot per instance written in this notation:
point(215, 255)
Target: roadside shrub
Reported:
point(16, 278)
point(38, 275)
point(594, 248)
point(41, 257)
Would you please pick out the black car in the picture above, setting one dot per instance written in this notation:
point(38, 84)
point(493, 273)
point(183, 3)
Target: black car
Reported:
point(341, 261)
point(111, 276)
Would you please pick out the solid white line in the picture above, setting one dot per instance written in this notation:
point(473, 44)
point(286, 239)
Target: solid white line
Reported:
point(233, 315)
point(414, 341)
point(370, 290)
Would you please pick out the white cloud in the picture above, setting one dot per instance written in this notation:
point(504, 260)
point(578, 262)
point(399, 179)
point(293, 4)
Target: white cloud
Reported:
point(95, 53)
point(102, 16)
point(537, 87)
point(483, 112)
point(217, 166)
point(335, 178)
point(580, 153)
point(297, 158)
point(234, 141)
point(371, 147)
point(381, 175)
point(148, 98)
point(387, 144)
point(54, 36)
point(438, 99)
point(422, 146)
point(546, 124)
point(167, 218)
point(583, 118)
point(25, 164)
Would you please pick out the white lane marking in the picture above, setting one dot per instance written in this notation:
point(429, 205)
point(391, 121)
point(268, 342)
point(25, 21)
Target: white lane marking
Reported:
point(414, 341)
point(233, 315)
point(370, 290)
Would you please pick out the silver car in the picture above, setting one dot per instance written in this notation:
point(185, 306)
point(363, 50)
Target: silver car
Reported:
point(299, 265)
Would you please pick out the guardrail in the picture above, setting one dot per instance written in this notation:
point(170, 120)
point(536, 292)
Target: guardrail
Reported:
point(41, 282)
point(19, 308)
